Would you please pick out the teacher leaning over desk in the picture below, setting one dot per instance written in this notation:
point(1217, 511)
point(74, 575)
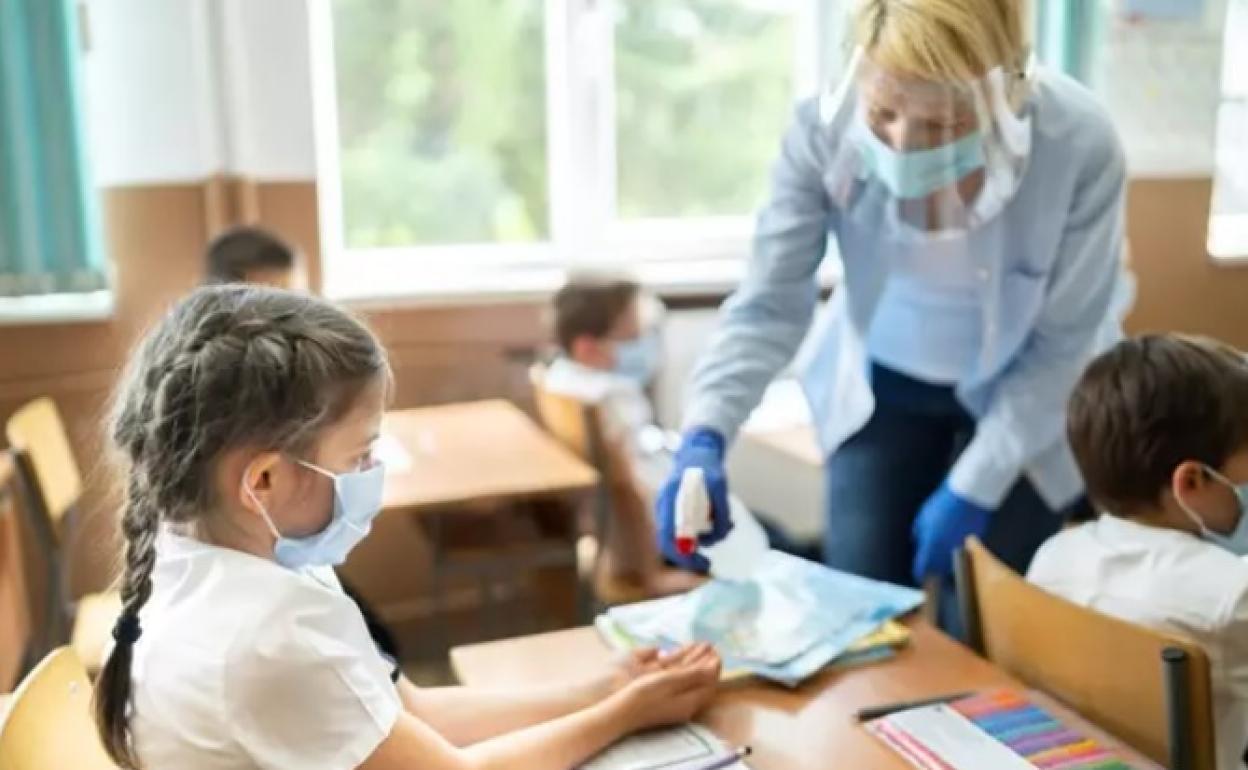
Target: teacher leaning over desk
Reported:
point(976, 201)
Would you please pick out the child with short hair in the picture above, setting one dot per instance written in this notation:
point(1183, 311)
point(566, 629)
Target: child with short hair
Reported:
point(1159, 428)
point(254, 255)
point(609, 349)
point(245, 424)
point(606, 329)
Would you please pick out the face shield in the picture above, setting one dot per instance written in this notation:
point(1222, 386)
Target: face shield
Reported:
point(930, 158)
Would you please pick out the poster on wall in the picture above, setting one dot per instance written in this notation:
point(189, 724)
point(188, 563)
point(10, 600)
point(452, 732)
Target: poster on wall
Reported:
point(1159, 72)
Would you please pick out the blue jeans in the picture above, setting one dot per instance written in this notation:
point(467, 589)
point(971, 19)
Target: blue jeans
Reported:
point(881, 476)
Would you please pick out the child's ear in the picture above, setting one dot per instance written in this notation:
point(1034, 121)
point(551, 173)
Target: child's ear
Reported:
point(1188, 476)
point(258, 477)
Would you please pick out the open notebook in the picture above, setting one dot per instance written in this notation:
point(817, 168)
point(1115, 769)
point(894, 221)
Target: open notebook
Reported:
point(687, 747)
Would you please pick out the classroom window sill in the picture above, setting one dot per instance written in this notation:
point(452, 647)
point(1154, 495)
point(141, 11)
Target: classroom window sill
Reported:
point(492, 275)
point(40, 309)
point(1228, 239)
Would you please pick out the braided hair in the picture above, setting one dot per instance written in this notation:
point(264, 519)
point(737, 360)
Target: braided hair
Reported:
point(228, 366)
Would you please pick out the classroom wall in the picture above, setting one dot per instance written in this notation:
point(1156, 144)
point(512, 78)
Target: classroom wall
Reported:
point(1182, 288)
point(199, 115)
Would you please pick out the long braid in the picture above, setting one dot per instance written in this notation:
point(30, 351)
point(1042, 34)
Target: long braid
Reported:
point(227, 367)
point(113, 689)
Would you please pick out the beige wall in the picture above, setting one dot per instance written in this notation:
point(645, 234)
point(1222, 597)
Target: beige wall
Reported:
point(1181, 288)
point(155, 237)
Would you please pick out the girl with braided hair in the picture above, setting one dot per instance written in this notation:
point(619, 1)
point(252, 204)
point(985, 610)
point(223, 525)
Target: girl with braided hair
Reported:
point(244, 426)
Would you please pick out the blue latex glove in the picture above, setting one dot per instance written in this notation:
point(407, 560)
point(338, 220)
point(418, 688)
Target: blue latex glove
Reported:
point(700, 448)
point(944, 523)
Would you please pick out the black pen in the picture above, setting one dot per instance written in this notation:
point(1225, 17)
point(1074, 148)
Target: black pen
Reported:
point(876, 712)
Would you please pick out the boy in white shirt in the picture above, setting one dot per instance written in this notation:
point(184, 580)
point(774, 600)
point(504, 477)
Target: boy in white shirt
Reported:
point(1159, 428)
point(607, 331)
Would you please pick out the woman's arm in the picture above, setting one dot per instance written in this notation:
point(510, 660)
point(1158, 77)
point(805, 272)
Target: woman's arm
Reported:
point(763, 322)
point(1024, 416)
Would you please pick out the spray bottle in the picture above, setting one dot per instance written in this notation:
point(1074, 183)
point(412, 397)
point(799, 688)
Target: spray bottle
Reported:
point(738, 555)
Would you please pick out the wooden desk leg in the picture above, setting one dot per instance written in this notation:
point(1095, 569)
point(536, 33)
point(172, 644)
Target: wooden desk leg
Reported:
point(586, 604)
point(438, 634)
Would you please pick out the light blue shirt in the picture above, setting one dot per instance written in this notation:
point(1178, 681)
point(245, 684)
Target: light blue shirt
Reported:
point(929, 321)
point(1053, 283)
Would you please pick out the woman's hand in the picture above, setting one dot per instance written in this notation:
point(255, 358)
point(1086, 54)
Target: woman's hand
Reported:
point(669, 689)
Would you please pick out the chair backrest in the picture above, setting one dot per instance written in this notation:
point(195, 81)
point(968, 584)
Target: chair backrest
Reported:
point(16, 616)
point(1128, 679)
point(38, 434)
point(578, 426)
point(569, 420)
point(50, 723)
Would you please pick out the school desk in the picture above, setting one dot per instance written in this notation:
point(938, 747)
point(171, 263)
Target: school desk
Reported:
point(810, 728)
point(480, 457)
point(776, 466)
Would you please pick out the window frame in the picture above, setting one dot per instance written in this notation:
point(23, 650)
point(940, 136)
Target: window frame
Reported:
point(581, 179)
point(1228, 232)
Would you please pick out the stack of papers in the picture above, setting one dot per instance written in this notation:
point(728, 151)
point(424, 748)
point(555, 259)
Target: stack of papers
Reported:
point(793, 618)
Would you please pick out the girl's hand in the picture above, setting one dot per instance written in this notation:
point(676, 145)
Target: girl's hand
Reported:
point(627, 667)
point(671, 689)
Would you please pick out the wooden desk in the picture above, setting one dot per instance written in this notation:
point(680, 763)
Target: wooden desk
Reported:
point(479, 452)
point(777, 471)
point(480, 457)
point(811, 728)
point(796, 442)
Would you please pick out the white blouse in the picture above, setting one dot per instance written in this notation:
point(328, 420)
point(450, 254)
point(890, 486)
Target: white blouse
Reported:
point(246, 664)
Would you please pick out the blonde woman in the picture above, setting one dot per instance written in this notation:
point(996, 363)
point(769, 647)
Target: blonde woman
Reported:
point(976, 202)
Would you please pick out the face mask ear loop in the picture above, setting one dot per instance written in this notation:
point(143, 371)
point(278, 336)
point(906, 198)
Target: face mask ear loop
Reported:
point(317, 468)
point(264, 514)
point(1192, 514)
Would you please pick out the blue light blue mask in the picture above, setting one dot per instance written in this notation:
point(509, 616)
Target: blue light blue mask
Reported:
point(1237, 541)
point(637, 359)
point(357, 501)
point(919, 173)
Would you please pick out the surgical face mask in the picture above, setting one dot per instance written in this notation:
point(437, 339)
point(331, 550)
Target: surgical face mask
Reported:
point(919, 173)
point(357, 501)
point(637, 359)
point(1237, 541)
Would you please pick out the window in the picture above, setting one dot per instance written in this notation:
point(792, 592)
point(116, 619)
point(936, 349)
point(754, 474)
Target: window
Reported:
point(441, 121)
point(703, 86)
point(1169, 73)
point(1228, 223)
point(464, 141)
point(51, 258)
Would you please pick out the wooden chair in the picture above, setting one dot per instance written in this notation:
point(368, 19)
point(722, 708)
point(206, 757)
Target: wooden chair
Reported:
point(1148, 688)
point(16, 620)
point(49, 724)
point(578, 426)
point(53, 486)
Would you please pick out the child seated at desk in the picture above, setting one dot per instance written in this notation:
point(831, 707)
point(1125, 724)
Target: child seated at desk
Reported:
point(262, 258)
point(245, 425)
point(1159, 428)
point(607, 331)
